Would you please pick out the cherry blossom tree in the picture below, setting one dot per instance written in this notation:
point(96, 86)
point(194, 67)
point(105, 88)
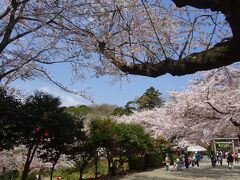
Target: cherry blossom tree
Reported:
point(31, 39)
point(208, 108)
point(14, 159)
point(157, 121)
point(116, 37)
point(210, 103)
point(179, 42)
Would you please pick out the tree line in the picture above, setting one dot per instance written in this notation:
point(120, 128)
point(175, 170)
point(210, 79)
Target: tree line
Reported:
point(48, 131)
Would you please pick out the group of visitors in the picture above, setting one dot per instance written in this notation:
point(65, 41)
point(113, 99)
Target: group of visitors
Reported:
point(189, 160)
point(184, 161)
point(220, 155)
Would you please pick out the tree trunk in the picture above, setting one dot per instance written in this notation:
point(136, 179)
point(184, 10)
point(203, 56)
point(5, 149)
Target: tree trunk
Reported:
point(110, 161)
point(25, 171)
point(146, 159)
point(54, 164)
point(52, 169)
point(30, 155)
point(96, 166)
point(40, 174)
point(81, 173)
point(121, 161)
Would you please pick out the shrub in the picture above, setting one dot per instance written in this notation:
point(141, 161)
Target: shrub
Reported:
point(136, 163)
point(10, 175)
point(155, 161)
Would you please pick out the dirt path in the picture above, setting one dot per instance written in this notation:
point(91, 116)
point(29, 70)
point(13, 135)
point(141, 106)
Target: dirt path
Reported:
point(205, 171)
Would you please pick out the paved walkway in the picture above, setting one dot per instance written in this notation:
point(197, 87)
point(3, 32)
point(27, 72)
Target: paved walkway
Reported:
point(205, 171)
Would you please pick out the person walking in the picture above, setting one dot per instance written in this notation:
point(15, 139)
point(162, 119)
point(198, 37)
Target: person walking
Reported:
point(230, 160)
point(236, 157)
point(190, 160)
point(213, 159)
point(220, 157)
point(178, 164)
point(182, 160)
point(186, 161)
point(167, 162)
point(197, 158)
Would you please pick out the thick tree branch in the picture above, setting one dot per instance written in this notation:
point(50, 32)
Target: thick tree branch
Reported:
point(5, 12)
point(215, 109)
point(222, 54)
point(2, 75)
point(214, 5)
point(9, 28)
point(234, 122)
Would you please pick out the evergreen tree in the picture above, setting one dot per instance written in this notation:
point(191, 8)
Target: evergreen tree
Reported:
point(150, 99)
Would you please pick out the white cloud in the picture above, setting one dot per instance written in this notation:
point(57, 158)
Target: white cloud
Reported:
point(66, 98)
point(45, 89)
point(69, 100)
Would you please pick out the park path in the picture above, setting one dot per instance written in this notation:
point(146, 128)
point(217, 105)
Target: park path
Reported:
point(204, 172)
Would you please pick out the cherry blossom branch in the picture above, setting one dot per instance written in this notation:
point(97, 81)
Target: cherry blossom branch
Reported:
point(215, 109)
point(234, 122)
point(222, 54)
point(154, 29)
point(62, 87)
point(189, 34)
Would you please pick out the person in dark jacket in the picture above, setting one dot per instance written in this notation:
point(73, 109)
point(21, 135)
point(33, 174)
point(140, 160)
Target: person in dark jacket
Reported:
point(186, 160)
point(230, 160)
point(213, 159)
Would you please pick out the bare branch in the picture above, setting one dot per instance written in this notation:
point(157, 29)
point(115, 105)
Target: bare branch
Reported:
point(213, 31)
point(34, 29)
point(15, 70)
point(154, 29)
point(62, 87)
point(189, 34)
point(5, 12)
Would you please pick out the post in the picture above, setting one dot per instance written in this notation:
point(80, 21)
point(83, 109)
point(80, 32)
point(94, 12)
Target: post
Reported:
point(233, 147)
point(214, 147)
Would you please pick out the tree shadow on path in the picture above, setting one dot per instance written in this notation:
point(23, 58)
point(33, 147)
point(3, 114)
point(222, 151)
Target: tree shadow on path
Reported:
point(205, 171)
point(219, 172)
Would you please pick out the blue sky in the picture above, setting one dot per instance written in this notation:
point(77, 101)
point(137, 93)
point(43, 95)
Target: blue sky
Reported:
point(102, 91)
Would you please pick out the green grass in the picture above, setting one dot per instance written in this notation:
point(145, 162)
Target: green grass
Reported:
point(89, 171)
point(71, 173)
